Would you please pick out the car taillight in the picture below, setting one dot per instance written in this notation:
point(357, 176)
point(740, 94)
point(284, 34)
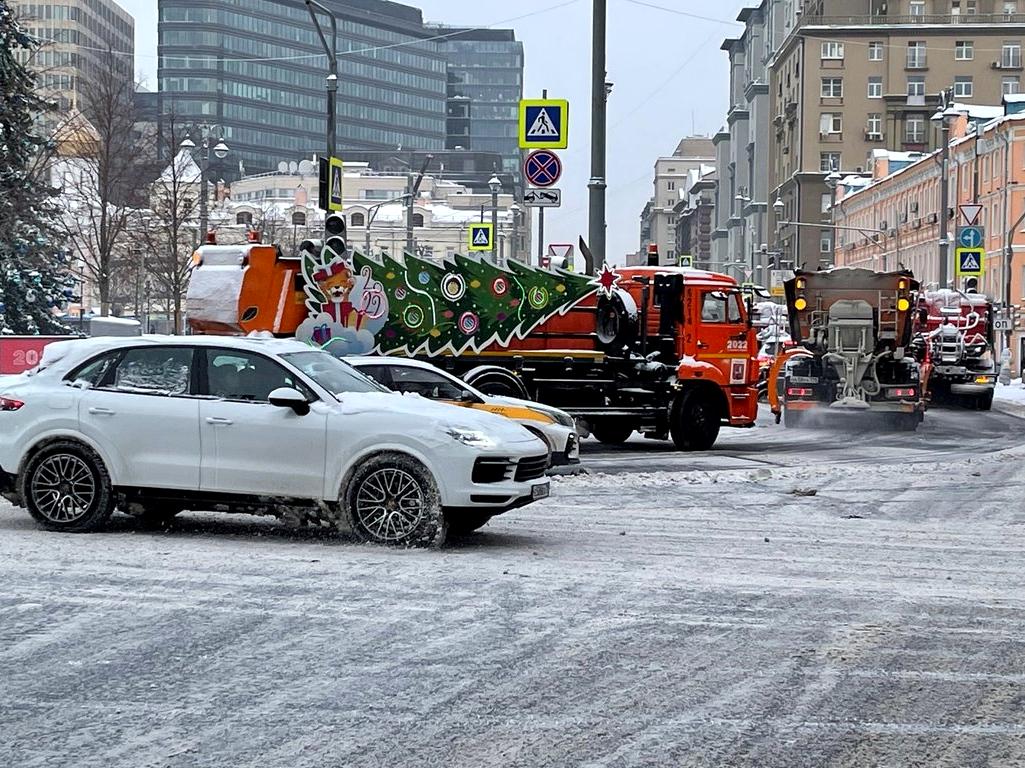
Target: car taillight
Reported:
point(10, 404)
point(799, 392)
point(899, 392)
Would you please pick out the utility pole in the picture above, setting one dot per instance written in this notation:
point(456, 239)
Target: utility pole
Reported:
point(599, 97)
point(941, 117)
point(412, 189)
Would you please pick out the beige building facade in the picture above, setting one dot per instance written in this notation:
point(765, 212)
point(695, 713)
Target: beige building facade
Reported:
point(853, 76)
point(79, 40)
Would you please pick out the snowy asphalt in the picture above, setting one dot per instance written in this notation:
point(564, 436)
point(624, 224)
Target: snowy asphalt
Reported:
point(680, 611)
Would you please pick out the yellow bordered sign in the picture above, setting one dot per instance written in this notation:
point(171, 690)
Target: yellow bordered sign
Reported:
point(544, 124)
point(481, 237)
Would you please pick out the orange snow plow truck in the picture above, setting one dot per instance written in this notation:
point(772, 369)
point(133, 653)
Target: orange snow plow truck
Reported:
point(853, 328)
point(667, 352)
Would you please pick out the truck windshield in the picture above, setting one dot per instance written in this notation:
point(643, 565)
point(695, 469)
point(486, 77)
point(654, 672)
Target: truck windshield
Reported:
point(331, 373)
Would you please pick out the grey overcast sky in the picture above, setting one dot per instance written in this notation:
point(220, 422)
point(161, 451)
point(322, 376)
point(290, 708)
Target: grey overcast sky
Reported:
point(670, 81)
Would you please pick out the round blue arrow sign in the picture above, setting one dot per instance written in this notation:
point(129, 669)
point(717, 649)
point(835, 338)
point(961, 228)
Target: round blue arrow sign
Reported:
point(970, 237)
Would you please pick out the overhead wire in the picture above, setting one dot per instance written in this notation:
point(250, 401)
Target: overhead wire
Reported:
point(305, 56)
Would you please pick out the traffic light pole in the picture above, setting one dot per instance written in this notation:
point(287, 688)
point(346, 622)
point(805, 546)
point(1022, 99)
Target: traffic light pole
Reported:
point(332, 60)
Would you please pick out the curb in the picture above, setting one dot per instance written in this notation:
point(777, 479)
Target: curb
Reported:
point(1010, 408)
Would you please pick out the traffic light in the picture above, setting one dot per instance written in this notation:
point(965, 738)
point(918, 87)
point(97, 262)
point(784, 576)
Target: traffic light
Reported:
point(312, 247)
point(335, 230)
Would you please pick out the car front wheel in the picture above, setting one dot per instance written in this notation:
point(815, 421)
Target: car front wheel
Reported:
point(393, 499)
point(66, 487)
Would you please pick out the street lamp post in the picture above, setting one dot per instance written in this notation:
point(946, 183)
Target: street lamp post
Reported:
point(332, 59)
point(942, 117)
point(600, 89)
point(515, 210)
point(495, 185)
point(220, 150)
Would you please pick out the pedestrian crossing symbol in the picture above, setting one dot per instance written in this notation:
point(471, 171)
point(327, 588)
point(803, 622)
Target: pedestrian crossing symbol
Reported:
point(969, 262)
point(481, 237)
point(544, 124)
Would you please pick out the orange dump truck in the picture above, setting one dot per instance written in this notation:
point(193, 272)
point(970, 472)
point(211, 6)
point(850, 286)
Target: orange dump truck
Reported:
point(667, 352)
point(853, 328)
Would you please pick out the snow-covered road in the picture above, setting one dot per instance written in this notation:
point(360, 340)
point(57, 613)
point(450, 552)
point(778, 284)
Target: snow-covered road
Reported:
point(714, 617)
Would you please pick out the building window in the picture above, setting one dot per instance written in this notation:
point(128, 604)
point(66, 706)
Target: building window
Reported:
point(827, 202)
point(1009, 86)
point(829, 161)
point(831, 122)
point(831, 49)
point(916, 86)
point(875, 87)
point(1010, 55)
point(963, 87)
point(916, 54)
point(832, 87)
point(970, 7)
point(357, 220)
point(964, 50)
point(875, 51)
point(874, 125)
point(914, 129)
point(670, 185)
point(1010, 7)
point(825, 241)
point(244, 217)
point(917, 7)
point(418, 219)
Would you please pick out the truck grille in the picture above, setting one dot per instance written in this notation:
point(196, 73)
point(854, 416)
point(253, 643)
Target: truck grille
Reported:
point(531, 468)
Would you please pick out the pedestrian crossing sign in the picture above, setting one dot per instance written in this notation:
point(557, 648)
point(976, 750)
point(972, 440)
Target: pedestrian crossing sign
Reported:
point(481, 237)
point(969, 262)
point(544, 124)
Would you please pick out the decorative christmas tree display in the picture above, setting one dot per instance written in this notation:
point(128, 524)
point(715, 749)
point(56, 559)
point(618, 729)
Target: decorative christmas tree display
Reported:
point(33, 282)
point(466, 304)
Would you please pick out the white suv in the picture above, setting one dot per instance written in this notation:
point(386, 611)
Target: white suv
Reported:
point(155, 425)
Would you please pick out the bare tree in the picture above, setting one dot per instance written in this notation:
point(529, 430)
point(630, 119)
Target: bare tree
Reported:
point(103, 176)
point(169, 230)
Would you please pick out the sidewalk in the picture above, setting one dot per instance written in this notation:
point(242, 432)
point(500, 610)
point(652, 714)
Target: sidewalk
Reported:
point(1010, 399)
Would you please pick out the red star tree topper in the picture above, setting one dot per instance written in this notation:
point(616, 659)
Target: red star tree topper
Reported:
point(606, 280)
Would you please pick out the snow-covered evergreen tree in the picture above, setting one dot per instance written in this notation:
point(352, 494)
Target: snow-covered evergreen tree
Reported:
point(33, 279)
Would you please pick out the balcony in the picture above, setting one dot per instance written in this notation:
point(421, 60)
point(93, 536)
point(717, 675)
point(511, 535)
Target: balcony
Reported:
point(989, 19)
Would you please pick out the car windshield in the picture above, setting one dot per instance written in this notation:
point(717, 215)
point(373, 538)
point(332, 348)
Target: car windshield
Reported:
point(331, 373)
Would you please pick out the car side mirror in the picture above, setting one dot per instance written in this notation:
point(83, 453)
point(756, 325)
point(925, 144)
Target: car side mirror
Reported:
point(466, 396)
point(286, 397)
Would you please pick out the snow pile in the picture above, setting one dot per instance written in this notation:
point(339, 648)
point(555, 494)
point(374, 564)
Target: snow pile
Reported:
point(1013, 392)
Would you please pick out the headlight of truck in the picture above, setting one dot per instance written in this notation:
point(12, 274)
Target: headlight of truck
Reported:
point(470, 437)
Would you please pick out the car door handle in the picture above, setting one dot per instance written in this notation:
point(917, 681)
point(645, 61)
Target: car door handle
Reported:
point(101, 411)
point(217, 421)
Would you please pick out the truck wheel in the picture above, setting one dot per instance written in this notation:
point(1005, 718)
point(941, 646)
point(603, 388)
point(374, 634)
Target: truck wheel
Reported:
point(694, 422)
point(393, 499)
point(497, 381)
point(984, 402)
point(612, 431)
point(466, 522)
point(65, 487)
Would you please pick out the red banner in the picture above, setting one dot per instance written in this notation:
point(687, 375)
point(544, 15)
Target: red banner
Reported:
point(20, 353)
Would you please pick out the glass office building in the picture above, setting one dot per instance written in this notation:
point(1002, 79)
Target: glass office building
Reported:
point(257, 69)
point(485, 85)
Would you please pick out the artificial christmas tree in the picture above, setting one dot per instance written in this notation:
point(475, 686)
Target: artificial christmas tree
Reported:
point(33, 278)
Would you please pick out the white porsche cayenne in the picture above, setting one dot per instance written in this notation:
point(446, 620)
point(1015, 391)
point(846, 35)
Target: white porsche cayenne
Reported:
point(157, 425)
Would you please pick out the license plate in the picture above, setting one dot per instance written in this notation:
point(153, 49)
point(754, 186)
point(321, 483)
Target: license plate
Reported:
point(541, 491)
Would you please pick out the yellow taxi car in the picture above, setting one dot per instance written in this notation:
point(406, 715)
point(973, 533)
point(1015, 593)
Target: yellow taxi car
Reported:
point(557, 428)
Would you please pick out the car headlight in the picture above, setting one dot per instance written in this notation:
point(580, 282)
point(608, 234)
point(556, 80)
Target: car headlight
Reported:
point(471, 437)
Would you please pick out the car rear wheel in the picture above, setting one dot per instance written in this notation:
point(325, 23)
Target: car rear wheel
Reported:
point(393, 499)
point(66, 487)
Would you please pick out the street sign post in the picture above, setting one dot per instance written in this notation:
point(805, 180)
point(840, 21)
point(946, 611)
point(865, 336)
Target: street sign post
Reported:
point(544, 124)
point(1002, 321)
point(481, 236)
point(542, 168)
point(970, 213)
point(686, 260)
point(969, 262)
point(549, 197)
point(970, 237)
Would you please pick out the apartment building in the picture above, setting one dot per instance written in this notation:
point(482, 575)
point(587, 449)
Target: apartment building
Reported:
point(79, 39)
point(852, 76)
point(899, 210)
point(742, 146)
point(671, 181)
point(695, 216)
